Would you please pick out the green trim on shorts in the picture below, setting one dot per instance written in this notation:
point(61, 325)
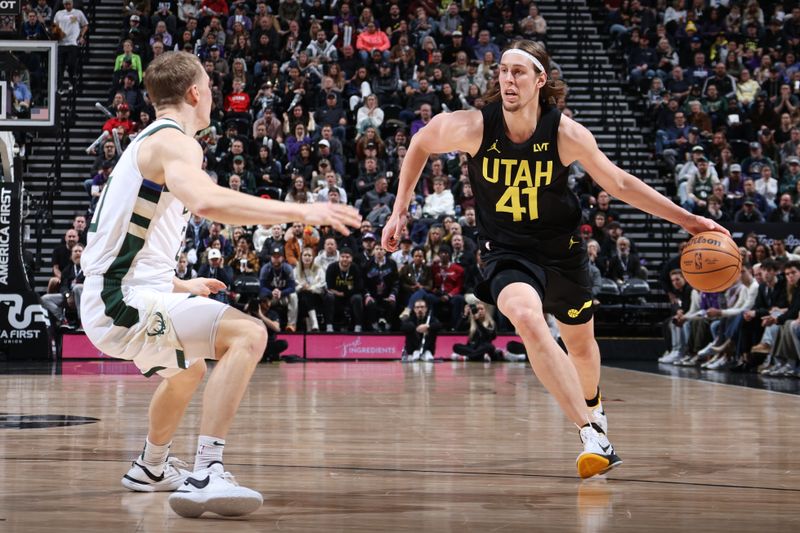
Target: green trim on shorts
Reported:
point(153, 370)
point(121, 314)
point(181, 358)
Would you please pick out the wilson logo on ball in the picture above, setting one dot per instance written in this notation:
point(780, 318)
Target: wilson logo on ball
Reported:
point(705, 240)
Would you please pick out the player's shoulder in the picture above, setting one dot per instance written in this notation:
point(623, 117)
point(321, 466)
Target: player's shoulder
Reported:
point(469, 118)
point(165, 147)
point(459, 130)
point(572, 131)
point(171, 142)
point(574, 140)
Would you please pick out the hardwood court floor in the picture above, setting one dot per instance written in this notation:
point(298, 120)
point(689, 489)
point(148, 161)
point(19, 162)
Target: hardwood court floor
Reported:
point(416, 447)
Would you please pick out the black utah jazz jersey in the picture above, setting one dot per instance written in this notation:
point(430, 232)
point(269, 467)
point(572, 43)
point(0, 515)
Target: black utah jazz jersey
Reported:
point(521, 190)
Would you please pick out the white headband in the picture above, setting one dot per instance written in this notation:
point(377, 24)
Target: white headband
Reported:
point(523, 53)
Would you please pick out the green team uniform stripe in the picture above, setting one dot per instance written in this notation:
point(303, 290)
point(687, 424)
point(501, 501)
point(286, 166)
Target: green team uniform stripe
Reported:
point(122, 314)
point(139, 220)
point(154, 370)
point(149, 194)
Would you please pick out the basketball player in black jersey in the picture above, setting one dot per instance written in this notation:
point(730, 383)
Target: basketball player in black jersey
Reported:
point(520, 147)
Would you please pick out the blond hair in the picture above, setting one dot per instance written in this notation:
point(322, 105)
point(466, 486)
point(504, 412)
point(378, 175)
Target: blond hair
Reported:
point(170, 75)
point(552, 90)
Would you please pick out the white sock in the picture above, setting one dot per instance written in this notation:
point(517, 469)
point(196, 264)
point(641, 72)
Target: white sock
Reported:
point(154, 455)
point(209, 450)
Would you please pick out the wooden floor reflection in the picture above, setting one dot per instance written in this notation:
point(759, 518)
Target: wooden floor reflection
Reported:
point(416, 447)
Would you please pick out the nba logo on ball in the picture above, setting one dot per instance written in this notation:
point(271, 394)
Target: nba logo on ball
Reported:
point(711, 262)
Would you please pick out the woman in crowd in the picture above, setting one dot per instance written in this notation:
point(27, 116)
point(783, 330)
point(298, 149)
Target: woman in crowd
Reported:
point(303, 163)
point(482, 332)
point(310, 280)
point(369, 115)
point(433, 242)
point(184, 270)
point(299, 192)
point(243, 261)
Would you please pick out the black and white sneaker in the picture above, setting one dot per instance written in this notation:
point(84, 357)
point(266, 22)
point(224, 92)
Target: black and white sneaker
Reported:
point(600, 417)
point(214, 490)
point(598, 455)
point(142, 478)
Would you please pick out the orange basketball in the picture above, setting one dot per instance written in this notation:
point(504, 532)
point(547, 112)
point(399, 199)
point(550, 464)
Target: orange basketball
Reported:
point(711, 262)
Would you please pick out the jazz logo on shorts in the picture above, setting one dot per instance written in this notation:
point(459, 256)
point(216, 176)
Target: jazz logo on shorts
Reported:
point(573, 313)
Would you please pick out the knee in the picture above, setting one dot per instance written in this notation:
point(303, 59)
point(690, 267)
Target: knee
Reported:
point(525, 319)
point(583, 348)
point(198, 369)
point(254, 336)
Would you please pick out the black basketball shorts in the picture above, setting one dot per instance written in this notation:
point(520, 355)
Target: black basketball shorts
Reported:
point(558, 269)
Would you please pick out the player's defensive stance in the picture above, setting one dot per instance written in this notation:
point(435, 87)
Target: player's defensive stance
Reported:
point(519, 147)
point(134, 308)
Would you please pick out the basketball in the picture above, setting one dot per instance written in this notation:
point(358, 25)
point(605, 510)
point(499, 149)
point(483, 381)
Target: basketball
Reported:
point(711, 262)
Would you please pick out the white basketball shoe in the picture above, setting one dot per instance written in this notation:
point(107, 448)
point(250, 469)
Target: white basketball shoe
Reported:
point(143, 478)
point(600, 417)
point(598, 455)
point(215, 490)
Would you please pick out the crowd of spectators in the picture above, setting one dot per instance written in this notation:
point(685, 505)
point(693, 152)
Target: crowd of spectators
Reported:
point(313, 104)
point(754, 326)
point(316, 102)
point(721, 84)
point(318, 105)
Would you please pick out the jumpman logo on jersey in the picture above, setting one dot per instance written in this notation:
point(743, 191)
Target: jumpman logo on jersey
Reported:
point(572, 242)
point(494, 147)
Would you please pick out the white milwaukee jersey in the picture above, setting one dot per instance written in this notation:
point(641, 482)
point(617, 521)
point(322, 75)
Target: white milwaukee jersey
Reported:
point(136, 232)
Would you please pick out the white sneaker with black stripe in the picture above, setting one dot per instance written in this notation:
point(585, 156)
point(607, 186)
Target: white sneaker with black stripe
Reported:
point(600, 417)
point(214, 490)
point(143, 478)
point(598, 455)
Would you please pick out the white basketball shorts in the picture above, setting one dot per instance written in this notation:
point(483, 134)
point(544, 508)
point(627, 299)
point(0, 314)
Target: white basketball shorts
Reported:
point(161, 332)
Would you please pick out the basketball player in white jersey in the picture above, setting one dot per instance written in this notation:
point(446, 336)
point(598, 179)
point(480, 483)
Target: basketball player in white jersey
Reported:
point(135, 308)
point(519, 147)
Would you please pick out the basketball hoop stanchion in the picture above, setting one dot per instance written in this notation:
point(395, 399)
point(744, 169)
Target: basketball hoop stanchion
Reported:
point(25, 331)
point(24, 326)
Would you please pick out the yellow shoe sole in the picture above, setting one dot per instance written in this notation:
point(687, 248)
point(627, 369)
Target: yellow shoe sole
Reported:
point(592, 464)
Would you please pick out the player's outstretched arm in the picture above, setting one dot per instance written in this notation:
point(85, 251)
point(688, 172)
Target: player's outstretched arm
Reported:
point(181, 158)
point(446, 132)
point(576, 143)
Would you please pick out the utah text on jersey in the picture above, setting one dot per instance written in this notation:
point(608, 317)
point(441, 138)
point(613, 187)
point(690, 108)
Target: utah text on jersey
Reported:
point(519, 180)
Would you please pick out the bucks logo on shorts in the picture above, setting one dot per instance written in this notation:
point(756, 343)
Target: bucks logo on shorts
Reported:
point(157, 325)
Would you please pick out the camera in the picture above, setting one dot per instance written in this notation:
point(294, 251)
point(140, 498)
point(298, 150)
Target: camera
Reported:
point(473, 309)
